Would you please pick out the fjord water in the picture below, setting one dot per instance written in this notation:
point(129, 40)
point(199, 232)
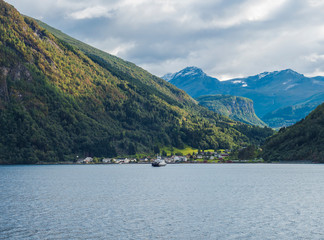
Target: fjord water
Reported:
point(202, 201)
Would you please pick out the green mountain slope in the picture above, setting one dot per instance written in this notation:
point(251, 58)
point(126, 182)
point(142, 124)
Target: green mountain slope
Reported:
point(287, 116)
point(118, 67)
point(302, 141)
point(59, 101)
point(237, 108)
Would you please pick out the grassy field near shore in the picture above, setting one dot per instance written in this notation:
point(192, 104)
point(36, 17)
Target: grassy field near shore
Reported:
point(186, 150)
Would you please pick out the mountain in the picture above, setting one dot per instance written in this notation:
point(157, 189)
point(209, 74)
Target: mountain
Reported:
point(287, 116)
point(302, 141)
point(61, 98)
point(237, 108)
point(167, 77)
point(269, 91)
point(193, 80)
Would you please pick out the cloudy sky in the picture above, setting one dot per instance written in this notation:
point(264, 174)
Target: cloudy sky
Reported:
point(226, 38)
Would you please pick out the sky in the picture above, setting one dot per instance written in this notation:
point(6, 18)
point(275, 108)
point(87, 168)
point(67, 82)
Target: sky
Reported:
point(226, 38)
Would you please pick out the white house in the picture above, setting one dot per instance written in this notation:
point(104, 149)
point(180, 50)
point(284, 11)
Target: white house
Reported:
point(87, 160)
point(176, 158)
point(107, 160)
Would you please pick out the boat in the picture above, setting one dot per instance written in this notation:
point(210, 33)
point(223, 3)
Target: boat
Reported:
point(158, 162)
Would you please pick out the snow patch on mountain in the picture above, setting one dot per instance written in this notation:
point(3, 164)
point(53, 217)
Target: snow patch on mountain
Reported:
point(291, 86)
point(243, 83)
point(167, 77)
point(262, 75)
point(285, 83)
point(238, 81)
point(187, 72)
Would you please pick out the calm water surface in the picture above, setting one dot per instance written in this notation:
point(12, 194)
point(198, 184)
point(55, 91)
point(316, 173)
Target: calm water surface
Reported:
point(229, 201)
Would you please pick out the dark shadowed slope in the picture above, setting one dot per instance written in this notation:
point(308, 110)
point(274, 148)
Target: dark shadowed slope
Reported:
point(302, 141)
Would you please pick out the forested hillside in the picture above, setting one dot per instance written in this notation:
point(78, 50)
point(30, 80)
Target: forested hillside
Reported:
point(288, 116)
point(59, 101)
point(302, 141)
point(237, 108)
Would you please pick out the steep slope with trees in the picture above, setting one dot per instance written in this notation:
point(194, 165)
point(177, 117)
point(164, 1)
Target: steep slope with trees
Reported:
point(58, 102)
point(237, 108)
point(302, 141)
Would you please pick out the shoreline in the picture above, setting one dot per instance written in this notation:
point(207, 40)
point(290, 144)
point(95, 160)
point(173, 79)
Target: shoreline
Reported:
point(149, 163)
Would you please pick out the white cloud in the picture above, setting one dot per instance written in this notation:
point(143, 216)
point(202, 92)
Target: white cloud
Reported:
point(91, 12)
point(314, 57)
point(227, 38)
point(316, 3)
point(248, 11)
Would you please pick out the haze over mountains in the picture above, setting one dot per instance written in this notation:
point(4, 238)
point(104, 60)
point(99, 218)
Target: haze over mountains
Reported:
point(276, 95)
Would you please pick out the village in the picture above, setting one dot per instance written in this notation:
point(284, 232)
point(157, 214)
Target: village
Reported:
point(201, 157)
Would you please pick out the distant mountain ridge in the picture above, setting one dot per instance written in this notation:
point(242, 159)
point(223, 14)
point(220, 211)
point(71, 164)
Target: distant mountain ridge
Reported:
point(269, 91)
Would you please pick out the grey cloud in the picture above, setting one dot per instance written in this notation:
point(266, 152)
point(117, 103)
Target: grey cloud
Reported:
point(224, 37)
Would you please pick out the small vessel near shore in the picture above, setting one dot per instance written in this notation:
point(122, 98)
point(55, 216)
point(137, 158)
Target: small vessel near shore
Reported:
point(159, 162)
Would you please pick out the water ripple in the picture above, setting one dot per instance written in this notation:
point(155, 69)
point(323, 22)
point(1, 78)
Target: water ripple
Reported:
point(176, 202)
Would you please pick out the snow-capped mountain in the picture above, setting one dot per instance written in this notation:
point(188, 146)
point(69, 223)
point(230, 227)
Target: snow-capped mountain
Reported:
point(193, 80)
point(167, 77)
point(188, 71)
point(269, 91)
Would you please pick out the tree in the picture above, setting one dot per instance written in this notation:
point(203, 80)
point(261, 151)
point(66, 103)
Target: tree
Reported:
point(250, 152)
point(131, 149)
point(164, 153)
point(156, 149)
